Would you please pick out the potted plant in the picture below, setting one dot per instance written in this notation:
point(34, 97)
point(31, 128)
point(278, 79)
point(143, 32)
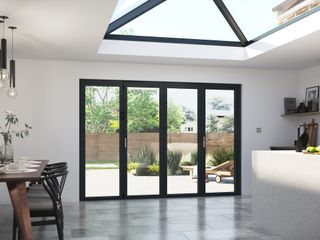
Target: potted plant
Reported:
point(10, 130)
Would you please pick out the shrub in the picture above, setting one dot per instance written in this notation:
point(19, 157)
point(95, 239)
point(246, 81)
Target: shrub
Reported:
point(132, 166)
point(154, 170)
point(181, 172)
point(151, 170)
point(194, 158)
point(186, 163)
point(145, 156)
point(129, 158)
point(174, 159)
point(222, 155)
point(142, 171)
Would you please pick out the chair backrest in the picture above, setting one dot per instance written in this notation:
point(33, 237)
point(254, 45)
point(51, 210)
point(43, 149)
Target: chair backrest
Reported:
point(56, 168)
point(51, 166)
point(53, 181)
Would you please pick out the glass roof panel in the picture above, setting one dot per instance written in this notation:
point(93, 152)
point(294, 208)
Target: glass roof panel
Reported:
point(258, 17)
point(125, 6)
point(198, 19)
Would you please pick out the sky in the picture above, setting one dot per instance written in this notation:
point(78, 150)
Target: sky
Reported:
point(188, 97)
point(200, 19)
point(183, 97)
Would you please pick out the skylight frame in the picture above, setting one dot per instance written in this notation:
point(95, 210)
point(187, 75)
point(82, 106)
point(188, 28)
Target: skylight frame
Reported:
point(135, 13)
point(148, 5)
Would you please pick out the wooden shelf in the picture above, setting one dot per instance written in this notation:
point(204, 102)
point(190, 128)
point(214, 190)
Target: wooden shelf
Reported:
point(300, 114)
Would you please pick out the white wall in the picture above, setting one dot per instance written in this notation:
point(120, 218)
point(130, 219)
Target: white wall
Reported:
point(49, 101)
point(309, 78)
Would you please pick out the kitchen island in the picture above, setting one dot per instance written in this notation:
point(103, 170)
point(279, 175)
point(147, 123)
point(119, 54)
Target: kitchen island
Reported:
point(286, 193)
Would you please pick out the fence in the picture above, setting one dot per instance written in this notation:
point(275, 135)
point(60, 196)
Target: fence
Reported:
point(106, 146)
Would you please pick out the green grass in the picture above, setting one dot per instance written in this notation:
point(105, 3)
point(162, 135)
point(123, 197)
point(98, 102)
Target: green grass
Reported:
point(100, 168)
point(91, 162)
point(115, 162)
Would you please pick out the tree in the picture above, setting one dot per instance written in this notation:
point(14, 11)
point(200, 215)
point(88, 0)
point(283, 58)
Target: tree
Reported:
point(101, 113)
point(227, 124)
point(212, 123)
point(143, 111)
point(175, 118)
point(189, 115)
point(217, 103)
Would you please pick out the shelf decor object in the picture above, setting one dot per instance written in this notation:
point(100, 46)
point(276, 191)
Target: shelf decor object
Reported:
point(312, 98)
point(290, 105)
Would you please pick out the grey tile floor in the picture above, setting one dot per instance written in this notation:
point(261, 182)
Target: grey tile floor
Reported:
point(152, 219)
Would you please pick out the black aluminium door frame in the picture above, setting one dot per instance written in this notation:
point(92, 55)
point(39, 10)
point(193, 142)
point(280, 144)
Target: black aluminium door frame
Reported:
point(140, 84)
point(163, 86)
point(82, 136)
point(237, 133)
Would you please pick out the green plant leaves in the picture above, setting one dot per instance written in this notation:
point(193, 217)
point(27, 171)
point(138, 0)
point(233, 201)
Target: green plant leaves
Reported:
point(8, 132)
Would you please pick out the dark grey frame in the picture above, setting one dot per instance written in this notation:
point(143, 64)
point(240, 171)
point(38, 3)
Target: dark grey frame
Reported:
point(201, 87)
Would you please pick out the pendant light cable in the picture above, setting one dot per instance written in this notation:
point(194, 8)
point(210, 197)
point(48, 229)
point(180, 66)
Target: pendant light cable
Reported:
point(12, 43)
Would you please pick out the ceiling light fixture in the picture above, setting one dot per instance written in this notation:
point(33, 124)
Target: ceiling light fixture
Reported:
point(3, 67)
point(12, 91)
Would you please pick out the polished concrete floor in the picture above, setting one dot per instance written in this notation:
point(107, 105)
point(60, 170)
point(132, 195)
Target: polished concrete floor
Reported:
point(152, 219)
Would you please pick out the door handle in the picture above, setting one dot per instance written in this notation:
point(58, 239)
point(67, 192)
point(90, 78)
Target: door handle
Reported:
point(125, 142)
point(204, 142)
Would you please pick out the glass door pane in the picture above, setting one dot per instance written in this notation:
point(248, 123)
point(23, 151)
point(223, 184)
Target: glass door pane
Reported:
point(143, 141)
point(102, 141)
point(182, 134)
point(219, 154)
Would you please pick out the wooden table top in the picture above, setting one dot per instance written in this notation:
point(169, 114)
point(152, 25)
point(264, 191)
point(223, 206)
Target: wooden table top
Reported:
point(23, 177)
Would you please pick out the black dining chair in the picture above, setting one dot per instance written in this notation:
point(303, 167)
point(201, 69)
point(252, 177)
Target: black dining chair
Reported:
point(45, 199)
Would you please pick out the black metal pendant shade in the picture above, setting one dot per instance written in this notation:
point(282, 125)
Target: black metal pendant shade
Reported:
point(12, 92)
point(12, 73)
point(3, 55)
point(1, 51)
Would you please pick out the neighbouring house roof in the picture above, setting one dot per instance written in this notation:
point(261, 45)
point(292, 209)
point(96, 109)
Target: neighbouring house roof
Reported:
point(290, 9)
point(286, 5)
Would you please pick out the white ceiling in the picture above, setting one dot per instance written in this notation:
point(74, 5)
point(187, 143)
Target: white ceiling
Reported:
point(58, 29)
point(74, 30)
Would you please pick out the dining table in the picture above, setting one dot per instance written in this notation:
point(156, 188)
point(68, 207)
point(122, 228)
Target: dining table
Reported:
point(16, 184)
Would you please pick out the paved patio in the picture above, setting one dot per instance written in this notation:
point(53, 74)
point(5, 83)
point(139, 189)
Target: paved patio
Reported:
point(105, 182)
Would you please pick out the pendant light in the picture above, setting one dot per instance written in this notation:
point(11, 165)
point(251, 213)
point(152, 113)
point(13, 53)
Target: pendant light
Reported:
point(12, 92)
point(2, 84)
point(3, 68)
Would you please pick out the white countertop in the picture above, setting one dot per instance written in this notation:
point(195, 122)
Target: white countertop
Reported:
point(286, 193)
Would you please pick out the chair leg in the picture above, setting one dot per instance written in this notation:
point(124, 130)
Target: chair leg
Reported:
point(62, 217)
point(59, 222)
point(60, 230)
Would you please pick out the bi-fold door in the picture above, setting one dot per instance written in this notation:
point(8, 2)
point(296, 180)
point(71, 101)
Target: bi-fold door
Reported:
point(151, 139)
